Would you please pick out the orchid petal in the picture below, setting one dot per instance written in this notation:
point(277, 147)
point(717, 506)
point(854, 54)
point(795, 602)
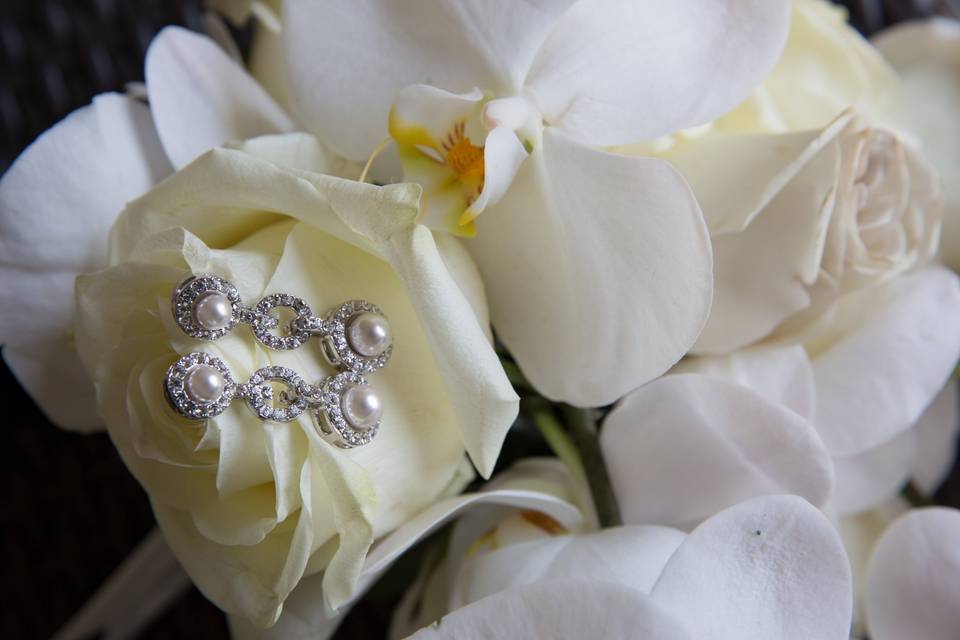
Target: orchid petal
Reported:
point(631, 556)
point(926, 54)
point(913, 579)
point(615, 71)
point(783, 375)
point(860, 534)
point(606, 301)
point(887, 354)
point(57, 203)
point(566, 610)
point(425, 115)
point(740, 444)
point(771, 567)
point(503, 153)
point(200, 98)
point(868, 479)
point(381, 47)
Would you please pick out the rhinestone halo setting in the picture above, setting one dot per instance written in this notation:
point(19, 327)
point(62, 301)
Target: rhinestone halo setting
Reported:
point(355, 338)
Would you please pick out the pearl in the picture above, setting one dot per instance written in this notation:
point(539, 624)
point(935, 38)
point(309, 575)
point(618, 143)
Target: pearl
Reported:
point(213, 311)
point(204, 384)
point(369, 334)
point(361, 407)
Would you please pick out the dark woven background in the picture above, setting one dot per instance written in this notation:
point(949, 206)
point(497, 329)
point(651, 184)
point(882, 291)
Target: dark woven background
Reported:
point(71, 512)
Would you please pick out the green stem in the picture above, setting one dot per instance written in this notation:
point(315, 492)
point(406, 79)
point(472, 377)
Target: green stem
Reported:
point(583, 432)
point(912, 494)
point(553, 432)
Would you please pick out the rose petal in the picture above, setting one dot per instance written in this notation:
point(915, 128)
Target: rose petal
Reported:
point(888, 353)
point(261, 576)
point(561, 610)
point(711, 163)
point(740, 445)
point(511, 491)
point(771, 567)
point(827, 62)
point(413, 457)
point(764, 272)
point(587, 287)
point(926, 55)
point(475, 385)
point(380, 47)
point(614, 71)
point(57, 203)
point(913, 579)
point(200, 98)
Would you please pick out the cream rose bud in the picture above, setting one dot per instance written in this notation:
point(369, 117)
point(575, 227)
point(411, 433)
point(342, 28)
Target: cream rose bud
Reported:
point(805, 198)
point(855, 207)
point(251, 507)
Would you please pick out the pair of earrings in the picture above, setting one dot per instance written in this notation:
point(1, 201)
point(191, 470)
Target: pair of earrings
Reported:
point(355, 337)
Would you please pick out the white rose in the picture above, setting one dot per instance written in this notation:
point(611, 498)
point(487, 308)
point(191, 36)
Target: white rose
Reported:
point(805, 203)
point(927, 56)
point(59, 199)
point(250, 507)
point(855, 207)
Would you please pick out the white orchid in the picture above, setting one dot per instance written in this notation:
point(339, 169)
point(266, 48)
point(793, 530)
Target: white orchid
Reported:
point(771, 567)
point(913, 577)
point(597, 265)
point(865, 383)
point(59, 199)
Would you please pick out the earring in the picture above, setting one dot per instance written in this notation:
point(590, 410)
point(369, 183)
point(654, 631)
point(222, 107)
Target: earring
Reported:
point(346, 410)
point(356, 335)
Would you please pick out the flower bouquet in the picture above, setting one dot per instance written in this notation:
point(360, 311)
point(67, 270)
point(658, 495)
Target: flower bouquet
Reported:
point(703, 252)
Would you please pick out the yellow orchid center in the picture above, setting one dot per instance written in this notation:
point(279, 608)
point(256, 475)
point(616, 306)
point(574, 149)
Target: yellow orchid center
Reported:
point(463, 157)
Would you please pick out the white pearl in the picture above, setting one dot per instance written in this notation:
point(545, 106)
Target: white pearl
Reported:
point(369, 334)
point(204, 384)
point(361, 407)
point(213, 311)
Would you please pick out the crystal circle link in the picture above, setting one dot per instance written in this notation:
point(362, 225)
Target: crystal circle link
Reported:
point(260, 395)
point(296, 335)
